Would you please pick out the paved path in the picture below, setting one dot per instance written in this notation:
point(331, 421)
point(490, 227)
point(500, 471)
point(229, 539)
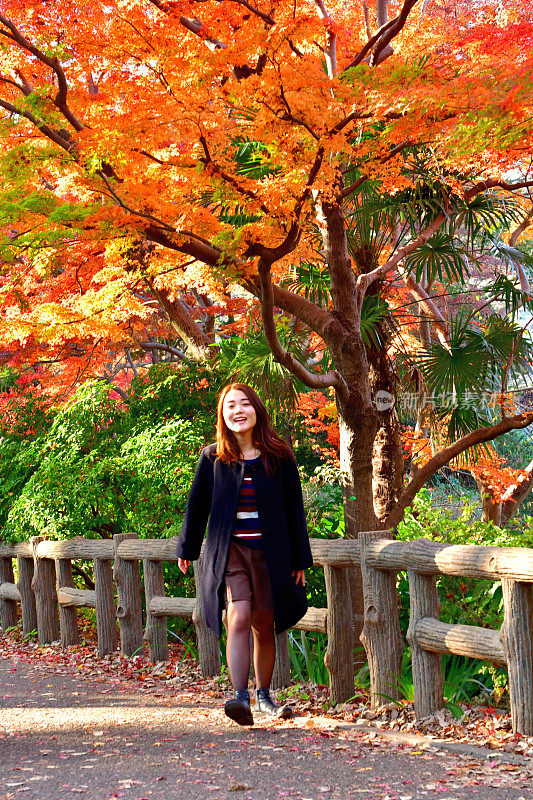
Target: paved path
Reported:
point(64, 737)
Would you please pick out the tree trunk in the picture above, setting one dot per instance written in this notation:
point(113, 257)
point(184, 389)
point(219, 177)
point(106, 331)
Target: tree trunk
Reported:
point(516, 494)
point(387, 458)
point(490, 509)
point(356, 414)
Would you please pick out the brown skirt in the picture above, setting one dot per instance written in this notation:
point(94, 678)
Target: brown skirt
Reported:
point(246, 577)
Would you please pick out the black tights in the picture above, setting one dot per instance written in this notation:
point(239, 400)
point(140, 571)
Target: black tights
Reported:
point(241, 619)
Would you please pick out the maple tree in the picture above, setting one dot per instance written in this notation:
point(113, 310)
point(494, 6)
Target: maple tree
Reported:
point(181, 157)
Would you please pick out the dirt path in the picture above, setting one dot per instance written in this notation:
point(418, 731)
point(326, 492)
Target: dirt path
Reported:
point(63, 736)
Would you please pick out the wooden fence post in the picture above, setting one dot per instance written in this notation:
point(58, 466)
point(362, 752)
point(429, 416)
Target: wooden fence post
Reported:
point(517, 641)
point(339, 652)
point(68, 622)
point(381, 634)
point(44, 589)
point(282, 666)
point(8, 606)
point(156, 627)
point(27, 597)
point(428, 680)
point(208, 646)
point(129, 608)
point(106, 616)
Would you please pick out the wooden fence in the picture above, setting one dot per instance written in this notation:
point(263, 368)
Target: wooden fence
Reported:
point(48, 597)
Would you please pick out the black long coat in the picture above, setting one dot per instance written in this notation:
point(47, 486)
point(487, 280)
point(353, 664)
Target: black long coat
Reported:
point(214, 495)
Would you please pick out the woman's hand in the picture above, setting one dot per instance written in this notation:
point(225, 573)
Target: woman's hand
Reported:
point(183, 564)
point(298, 575)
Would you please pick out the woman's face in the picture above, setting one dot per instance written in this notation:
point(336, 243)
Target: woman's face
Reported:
point(238, 412)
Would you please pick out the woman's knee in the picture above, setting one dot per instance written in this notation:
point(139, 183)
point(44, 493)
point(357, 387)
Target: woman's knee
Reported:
point(239, 616)
point(263, 623)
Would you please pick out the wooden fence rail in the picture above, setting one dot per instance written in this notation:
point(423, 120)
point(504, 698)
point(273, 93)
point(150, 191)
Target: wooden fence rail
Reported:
point(48, 598)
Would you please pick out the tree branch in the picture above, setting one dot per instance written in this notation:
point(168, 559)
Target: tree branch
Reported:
point(428, 306)
point(473, 438)
point(398, 23)
point(192, 334)
point(165, 348)
point(366, 279)
point(281, 355)
point(192, 25)
point(360, 57)
point(519, 230)
point(363, 178)
point(267, 19)
point(60, 100)
point(215, 169)
point(65, 144)
point(331, 39)
point(482, 186)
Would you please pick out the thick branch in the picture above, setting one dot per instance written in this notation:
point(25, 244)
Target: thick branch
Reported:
point(393, 31)
point(363, 53)
point(182, 322)
point(316, 318)
point(519, 230)
point(281, 355)
point(482, 186)
point(384, 35)
point(442, 458)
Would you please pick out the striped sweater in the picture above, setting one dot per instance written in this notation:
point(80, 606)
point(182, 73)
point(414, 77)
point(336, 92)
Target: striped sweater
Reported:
point(247, 530)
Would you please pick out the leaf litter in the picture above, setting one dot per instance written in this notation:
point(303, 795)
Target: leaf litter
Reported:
point(180, 678)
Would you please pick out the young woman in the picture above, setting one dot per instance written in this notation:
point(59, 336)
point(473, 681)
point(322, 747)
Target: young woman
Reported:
point(257, 548)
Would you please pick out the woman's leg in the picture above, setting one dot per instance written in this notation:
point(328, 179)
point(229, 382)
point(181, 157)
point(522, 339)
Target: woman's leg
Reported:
point(264, 646)
point(239, 618)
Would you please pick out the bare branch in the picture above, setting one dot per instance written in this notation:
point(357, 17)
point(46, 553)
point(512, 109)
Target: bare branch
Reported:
point(442, 458)
point(366, 15)
point(166, 348)
point(367, 278)
point(130, 362)
point(490, 184)
point(382, 12)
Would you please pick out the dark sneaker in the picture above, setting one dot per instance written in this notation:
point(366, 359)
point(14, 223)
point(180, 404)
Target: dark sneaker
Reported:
point(238, 708)
point(265, 705)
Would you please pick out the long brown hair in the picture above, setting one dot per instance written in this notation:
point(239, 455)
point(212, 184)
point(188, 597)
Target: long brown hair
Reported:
point(271, 446)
